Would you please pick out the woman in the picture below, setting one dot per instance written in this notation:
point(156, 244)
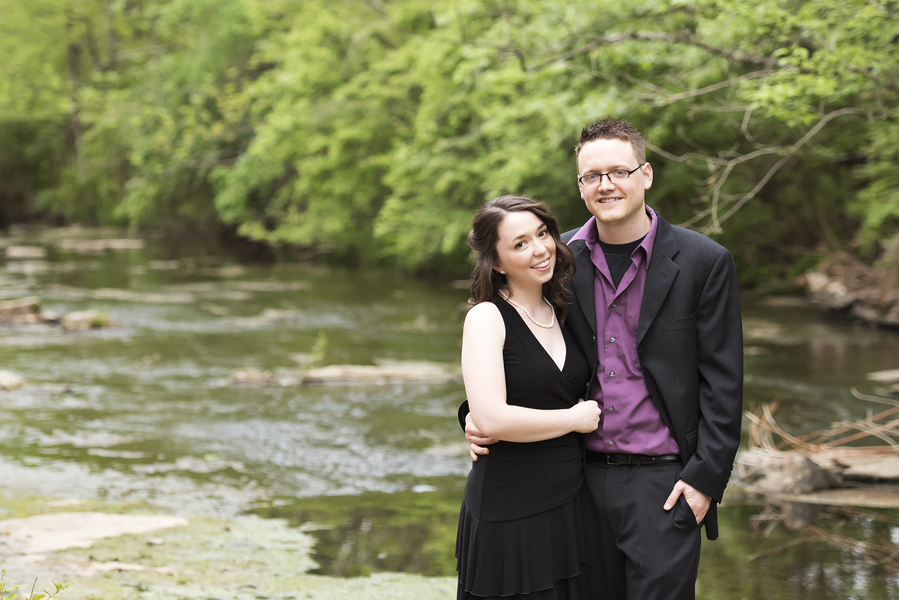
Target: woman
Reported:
point(522, 524)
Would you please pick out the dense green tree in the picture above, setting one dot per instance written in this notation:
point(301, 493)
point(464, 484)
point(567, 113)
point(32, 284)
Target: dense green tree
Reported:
point(372, 129)
point(118, 111)
point(326, 118)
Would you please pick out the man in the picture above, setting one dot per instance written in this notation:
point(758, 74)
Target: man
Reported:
point(656, 308)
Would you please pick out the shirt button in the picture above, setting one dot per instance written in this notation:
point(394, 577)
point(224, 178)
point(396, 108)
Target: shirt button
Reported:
point(611, 409)
point(611, 443)
point(614, 304)
point(612, 340)
point(612, 374)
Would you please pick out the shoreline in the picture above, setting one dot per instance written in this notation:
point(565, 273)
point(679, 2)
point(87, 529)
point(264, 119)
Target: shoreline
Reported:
point(195, 544)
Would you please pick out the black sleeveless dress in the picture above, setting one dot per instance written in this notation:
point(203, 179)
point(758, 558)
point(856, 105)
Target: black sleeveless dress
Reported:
point(525, 528)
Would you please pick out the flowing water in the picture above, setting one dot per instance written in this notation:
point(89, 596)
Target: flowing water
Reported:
point(145, 410)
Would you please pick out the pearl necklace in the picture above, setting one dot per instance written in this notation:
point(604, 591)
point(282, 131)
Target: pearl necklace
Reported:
point(552, 321)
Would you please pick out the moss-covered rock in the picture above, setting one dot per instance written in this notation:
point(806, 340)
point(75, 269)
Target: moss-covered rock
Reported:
point(246, 557)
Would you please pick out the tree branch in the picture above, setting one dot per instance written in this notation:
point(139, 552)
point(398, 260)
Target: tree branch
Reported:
point(684, 37)
point(714, 87)
point(790, 153)
point(721, 169)
point(592, 45)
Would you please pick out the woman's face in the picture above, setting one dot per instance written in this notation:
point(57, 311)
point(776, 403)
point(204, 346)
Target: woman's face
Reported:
point(525, 250)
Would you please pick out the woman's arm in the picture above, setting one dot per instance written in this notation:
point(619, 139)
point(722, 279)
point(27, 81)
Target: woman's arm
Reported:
point(485, 385)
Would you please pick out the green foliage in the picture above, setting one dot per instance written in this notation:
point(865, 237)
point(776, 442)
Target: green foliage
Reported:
point(373, 130)
point(13, 593)
point(319, 350)
point(134, 105)
point(326, 118)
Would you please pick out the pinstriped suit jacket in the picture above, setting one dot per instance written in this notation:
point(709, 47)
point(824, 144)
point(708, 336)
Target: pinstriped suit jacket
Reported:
point(690, 347)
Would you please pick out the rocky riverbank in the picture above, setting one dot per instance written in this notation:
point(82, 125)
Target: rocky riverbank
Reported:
point(114, 550)
point(845, 285)
point(114, 536)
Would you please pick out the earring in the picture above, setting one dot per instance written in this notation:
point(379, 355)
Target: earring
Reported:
point(501, 271)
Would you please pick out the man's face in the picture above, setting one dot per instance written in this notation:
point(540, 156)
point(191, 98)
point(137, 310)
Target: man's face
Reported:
point(617, 204)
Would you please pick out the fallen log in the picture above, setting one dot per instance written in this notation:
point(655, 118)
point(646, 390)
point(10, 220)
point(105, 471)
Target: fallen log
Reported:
point(383, 373)
point(803, 467)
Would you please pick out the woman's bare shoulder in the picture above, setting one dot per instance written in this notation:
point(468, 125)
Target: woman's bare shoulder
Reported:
point(484, 328)
point(484, 317)
point(483, 311)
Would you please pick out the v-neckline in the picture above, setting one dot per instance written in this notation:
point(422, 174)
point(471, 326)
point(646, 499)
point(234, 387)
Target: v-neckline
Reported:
point(539, 343)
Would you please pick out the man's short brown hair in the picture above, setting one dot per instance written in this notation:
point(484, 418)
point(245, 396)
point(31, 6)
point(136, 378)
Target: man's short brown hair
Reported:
point(613, 129)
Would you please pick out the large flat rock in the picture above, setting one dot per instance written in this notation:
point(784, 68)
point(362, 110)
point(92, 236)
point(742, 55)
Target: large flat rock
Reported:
point(58, 531)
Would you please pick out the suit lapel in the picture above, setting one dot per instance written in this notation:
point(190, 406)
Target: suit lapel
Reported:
point(659, 277)
point(583, 282)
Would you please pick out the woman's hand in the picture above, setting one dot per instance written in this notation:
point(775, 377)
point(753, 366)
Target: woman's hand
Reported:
point(585, 415)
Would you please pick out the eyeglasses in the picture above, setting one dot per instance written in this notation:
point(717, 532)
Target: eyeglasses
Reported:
point(616, 175)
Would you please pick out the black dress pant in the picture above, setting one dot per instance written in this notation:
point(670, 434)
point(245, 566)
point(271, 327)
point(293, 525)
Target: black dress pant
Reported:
point(648, 553)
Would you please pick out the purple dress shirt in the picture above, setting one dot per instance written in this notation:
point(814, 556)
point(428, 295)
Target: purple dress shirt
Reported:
point(630, 422)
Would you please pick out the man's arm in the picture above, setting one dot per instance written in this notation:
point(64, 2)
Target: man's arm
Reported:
point(477, 441)
point(720, 363)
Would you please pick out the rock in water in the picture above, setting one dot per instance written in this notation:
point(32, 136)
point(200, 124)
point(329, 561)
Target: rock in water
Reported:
point(795, 474)
point(20, 308)
point(10, 381)
point(86, 319)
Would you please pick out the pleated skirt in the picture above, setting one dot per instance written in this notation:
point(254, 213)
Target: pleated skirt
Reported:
point(546, 556)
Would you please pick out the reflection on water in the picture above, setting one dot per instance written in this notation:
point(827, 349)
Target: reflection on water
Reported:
point(404, 531)
point(832, 553)
point(145, 410)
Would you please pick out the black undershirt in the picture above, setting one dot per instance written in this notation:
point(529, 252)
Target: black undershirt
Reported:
point(618, 257)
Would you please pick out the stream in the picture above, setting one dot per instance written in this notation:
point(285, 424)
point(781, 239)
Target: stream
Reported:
point(146, 410)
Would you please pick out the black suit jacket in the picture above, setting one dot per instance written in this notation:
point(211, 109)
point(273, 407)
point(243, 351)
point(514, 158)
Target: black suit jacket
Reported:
point(690, 347)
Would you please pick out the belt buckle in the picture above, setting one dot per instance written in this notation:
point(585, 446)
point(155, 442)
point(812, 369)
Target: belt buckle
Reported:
point(615, 463)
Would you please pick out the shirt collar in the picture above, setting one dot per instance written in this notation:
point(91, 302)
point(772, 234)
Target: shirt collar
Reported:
point(587, 233)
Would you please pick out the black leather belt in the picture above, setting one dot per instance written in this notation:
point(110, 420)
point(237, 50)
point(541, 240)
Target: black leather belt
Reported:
point(639, 460)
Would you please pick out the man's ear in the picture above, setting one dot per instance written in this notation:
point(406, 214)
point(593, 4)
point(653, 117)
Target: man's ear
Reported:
point(647, 176)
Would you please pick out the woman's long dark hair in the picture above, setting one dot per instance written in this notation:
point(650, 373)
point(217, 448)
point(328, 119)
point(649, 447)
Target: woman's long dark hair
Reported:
point(485, 280)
